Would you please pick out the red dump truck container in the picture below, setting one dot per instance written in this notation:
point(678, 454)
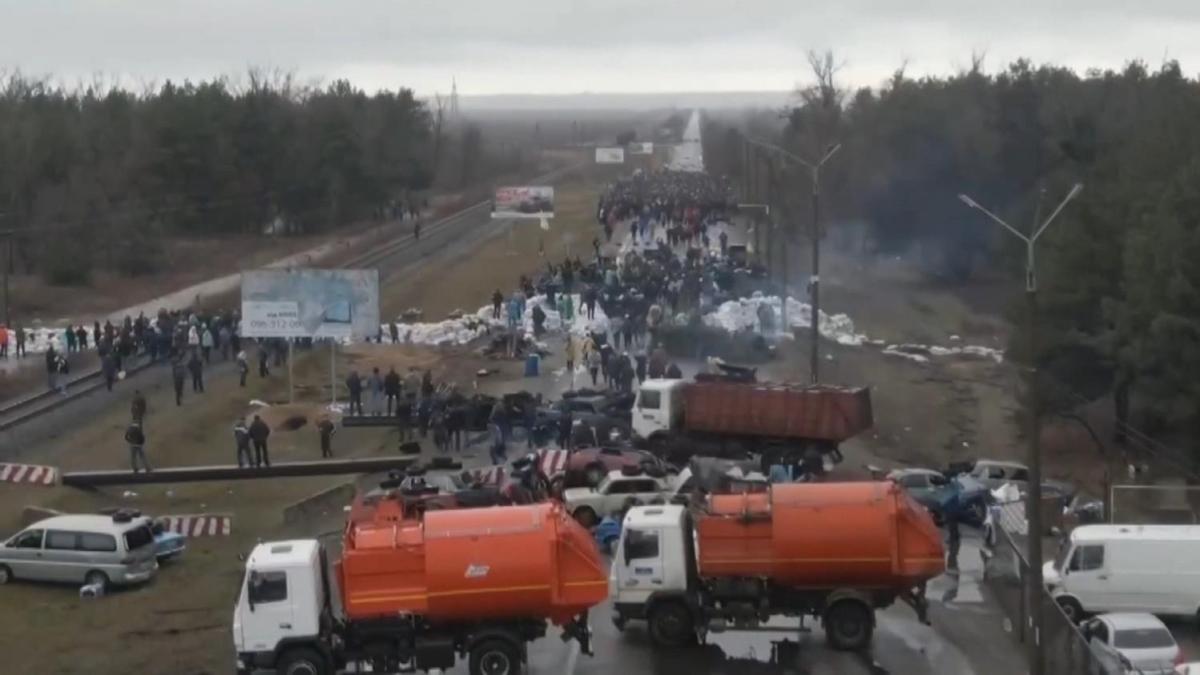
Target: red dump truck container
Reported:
point(476, 564)
point(857, 535)
point(777, 410)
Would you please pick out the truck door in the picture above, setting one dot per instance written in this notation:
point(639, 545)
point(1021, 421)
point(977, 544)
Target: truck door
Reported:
point(649, 414)
point(269, 618)
point(641, 565)
point(1087, 578)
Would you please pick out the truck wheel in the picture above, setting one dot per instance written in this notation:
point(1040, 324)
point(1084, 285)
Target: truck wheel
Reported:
point(495, 657)
point(586, 517)
point(671, 625)
point(1071, 607)
point(848, 625)
point(301, 661)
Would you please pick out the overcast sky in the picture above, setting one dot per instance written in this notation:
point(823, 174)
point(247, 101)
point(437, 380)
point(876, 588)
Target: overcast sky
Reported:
point(565, 46)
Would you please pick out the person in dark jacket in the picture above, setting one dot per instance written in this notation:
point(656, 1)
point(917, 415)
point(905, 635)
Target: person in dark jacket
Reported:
point(497, 301)
point(241, 437)
point(391, 389)
point(178, 376)
point(673, 372)
point(564, 430)
point(325, 430)
point(263, 356)
point(137, 447)
point(196, 368)
point(354, 386)
point(259, 431)
point(427, 384)
point(81, 336)
point(108, 365)
point(404, 413)
point(137, 407)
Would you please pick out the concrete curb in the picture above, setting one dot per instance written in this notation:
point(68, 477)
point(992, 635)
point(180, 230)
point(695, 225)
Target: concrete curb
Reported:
point(329, 499)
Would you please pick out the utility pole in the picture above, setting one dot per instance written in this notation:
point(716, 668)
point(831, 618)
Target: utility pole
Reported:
point(1033, 503)
point(9, 235)
point(814, 282)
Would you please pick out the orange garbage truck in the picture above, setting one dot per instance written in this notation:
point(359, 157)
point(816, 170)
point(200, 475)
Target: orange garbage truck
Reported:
point(408, 594)
point(835, 551)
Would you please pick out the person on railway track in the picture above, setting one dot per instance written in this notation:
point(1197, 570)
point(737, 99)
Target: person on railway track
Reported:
point(136, 439)
point(196, 368)
point(241, 440)
point(108, 366)
point(354, 385)
point(259, 432)
point(178, 377)
point(375, 389)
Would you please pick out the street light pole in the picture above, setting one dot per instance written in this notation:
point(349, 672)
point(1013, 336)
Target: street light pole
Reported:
point(814, 282)
point(1033, 504)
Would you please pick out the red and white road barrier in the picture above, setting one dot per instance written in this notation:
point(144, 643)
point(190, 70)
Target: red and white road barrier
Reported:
point(199, 525)
point(551, 461)
point(33, 474)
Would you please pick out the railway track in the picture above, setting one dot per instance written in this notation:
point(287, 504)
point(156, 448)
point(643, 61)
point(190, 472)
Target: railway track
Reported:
point(15, 413)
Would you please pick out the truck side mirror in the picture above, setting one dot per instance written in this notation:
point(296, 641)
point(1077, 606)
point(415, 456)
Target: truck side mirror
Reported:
point(625, 552)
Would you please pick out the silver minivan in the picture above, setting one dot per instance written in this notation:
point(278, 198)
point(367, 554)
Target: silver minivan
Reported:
point(82, 549)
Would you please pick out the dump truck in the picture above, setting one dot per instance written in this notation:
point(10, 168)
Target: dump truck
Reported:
point(412, 593)
point(834, 551)
point(782, 423)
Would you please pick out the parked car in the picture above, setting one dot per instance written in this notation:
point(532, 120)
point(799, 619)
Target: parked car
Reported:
point(1131, 642)
point(82, 549)
point(618, 490)
point(994, 473)
point(168, 545)
point(586, 467)
point(962, 496)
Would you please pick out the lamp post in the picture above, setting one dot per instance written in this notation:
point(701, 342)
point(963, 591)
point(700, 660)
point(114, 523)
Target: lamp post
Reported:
point(1033, 505)
point(814, 283)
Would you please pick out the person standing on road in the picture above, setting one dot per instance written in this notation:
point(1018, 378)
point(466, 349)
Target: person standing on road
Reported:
point(354, 386)
point(70, 338)
point(417, 231)
point(178, 376)
point(394, 331)
point(259, 431)
point(108, 365)
point(4, 341)
point(243, 368)
point(391, 388)
point(137, 407)
point(196, 368)
point(206, 343)
point(20, 341)
point(325, 430)
point(375, 388)
point(241, 439)
point(497, 301)
point(593, 363)
point(224, 340)
point(81, 335)
point(262, 360)
point(137, 446)
point(51, 368)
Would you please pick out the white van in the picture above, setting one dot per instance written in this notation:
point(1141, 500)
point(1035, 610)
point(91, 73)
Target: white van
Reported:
point(1127, 568)
point(82, 549)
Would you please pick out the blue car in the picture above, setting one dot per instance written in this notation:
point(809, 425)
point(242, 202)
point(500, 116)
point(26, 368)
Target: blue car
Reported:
point(168, 545)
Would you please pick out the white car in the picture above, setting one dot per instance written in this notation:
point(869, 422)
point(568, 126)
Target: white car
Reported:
point(590, 505)
point(1132, 642)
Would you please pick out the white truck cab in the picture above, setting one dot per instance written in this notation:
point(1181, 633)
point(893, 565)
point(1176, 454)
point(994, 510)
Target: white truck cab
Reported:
point(658, 407)
point(652, 560)
point(281, 601)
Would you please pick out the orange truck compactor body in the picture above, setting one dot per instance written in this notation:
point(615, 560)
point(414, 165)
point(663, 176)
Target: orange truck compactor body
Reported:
point(777, 410)
point(821, 535)
point(531, 561)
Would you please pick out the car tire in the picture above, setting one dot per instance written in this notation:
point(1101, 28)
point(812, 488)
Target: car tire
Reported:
point(670, 625)
point(6, 574)
point(96, 578)
point(1071, 608)
point(586, 516)
point(301, 661)
point(495, 657)
point(848, 625)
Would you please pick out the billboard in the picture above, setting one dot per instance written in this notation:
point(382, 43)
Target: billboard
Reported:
point(641, 148)
point(528, 201)
point(301, 303)
point(610, 155)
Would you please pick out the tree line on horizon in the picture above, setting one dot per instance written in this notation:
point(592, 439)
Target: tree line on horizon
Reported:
point(1119, 276)
point(97, 176)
